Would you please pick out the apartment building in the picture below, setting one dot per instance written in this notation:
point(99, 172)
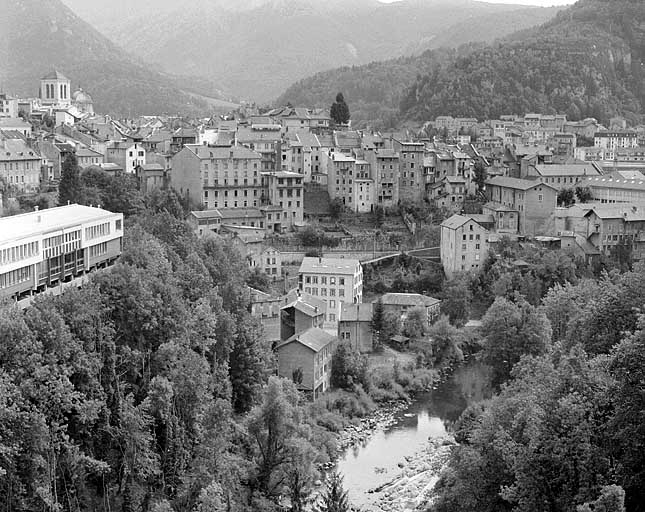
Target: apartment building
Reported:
point(43, 248)
point(333, 280)
point(340, 177)
point(218, 177)
point(615, 139)
point(8, 106)
point(266, 140)
point(285, 190)
point(610, 189)
point(533, 202)
point(464, 245)
point(411, 177)
point(20, 165)
point(562, 176)
point(385, 169)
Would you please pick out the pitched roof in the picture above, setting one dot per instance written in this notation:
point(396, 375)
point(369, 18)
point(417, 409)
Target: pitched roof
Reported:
point(236, 213)
point(454, 222)
point(16, 149)
point(307, 304)
point(356, 312)
point(629, 212)
point(223, 152)
point(408, 299)
point(206, 214)
point(314, 338)
point(152, 167)
point(87, 152)
point(328, 266)
point(516, 183)
point(586, 169)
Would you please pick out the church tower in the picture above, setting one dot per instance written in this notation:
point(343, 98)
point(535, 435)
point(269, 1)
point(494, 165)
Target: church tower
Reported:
point(55, 90)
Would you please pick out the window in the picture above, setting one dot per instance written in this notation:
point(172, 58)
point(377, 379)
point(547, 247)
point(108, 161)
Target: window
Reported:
point(540, 197)
point(341, 281)
point(463, 247)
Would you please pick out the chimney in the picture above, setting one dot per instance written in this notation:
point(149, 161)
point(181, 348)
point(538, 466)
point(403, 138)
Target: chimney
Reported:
point(319, 259)
point(36, 208)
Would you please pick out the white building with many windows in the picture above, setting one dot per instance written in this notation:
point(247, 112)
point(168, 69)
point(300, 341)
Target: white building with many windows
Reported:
point(43, 248)
point(335, 281)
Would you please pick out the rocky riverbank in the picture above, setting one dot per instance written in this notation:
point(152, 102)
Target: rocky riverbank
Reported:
point(380, 419)
point(413, 488)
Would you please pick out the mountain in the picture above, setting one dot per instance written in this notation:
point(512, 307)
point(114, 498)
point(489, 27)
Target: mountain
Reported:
point(40, 35)
point(256, 49)
point(587, 62)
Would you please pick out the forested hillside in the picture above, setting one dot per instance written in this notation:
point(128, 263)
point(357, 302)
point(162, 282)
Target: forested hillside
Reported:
point(588, 61)
point(373, 91)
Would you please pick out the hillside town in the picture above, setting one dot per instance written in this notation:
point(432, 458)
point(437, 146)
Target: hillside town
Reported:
point(350, 238)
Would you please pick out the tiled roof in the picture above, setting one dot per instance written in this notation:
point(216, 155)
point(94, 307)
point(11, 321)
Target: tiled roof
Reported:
point(627, 211)
point(236, 213)
point(16, 149)
point(408, 299)
point(314, 338)
point(223, 152)
point(454, 222)
point(515, 183)
point(206, 214)
point(586, 169)
point(87, 152)
point(307, 304)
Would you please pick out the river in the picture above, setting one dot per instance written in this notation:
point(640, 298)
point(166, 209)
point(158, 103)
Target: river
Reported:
point(431, 415)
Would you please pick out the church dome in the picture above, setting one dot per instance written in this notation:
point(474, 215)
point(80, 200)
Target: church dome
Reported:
point(81, 97)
